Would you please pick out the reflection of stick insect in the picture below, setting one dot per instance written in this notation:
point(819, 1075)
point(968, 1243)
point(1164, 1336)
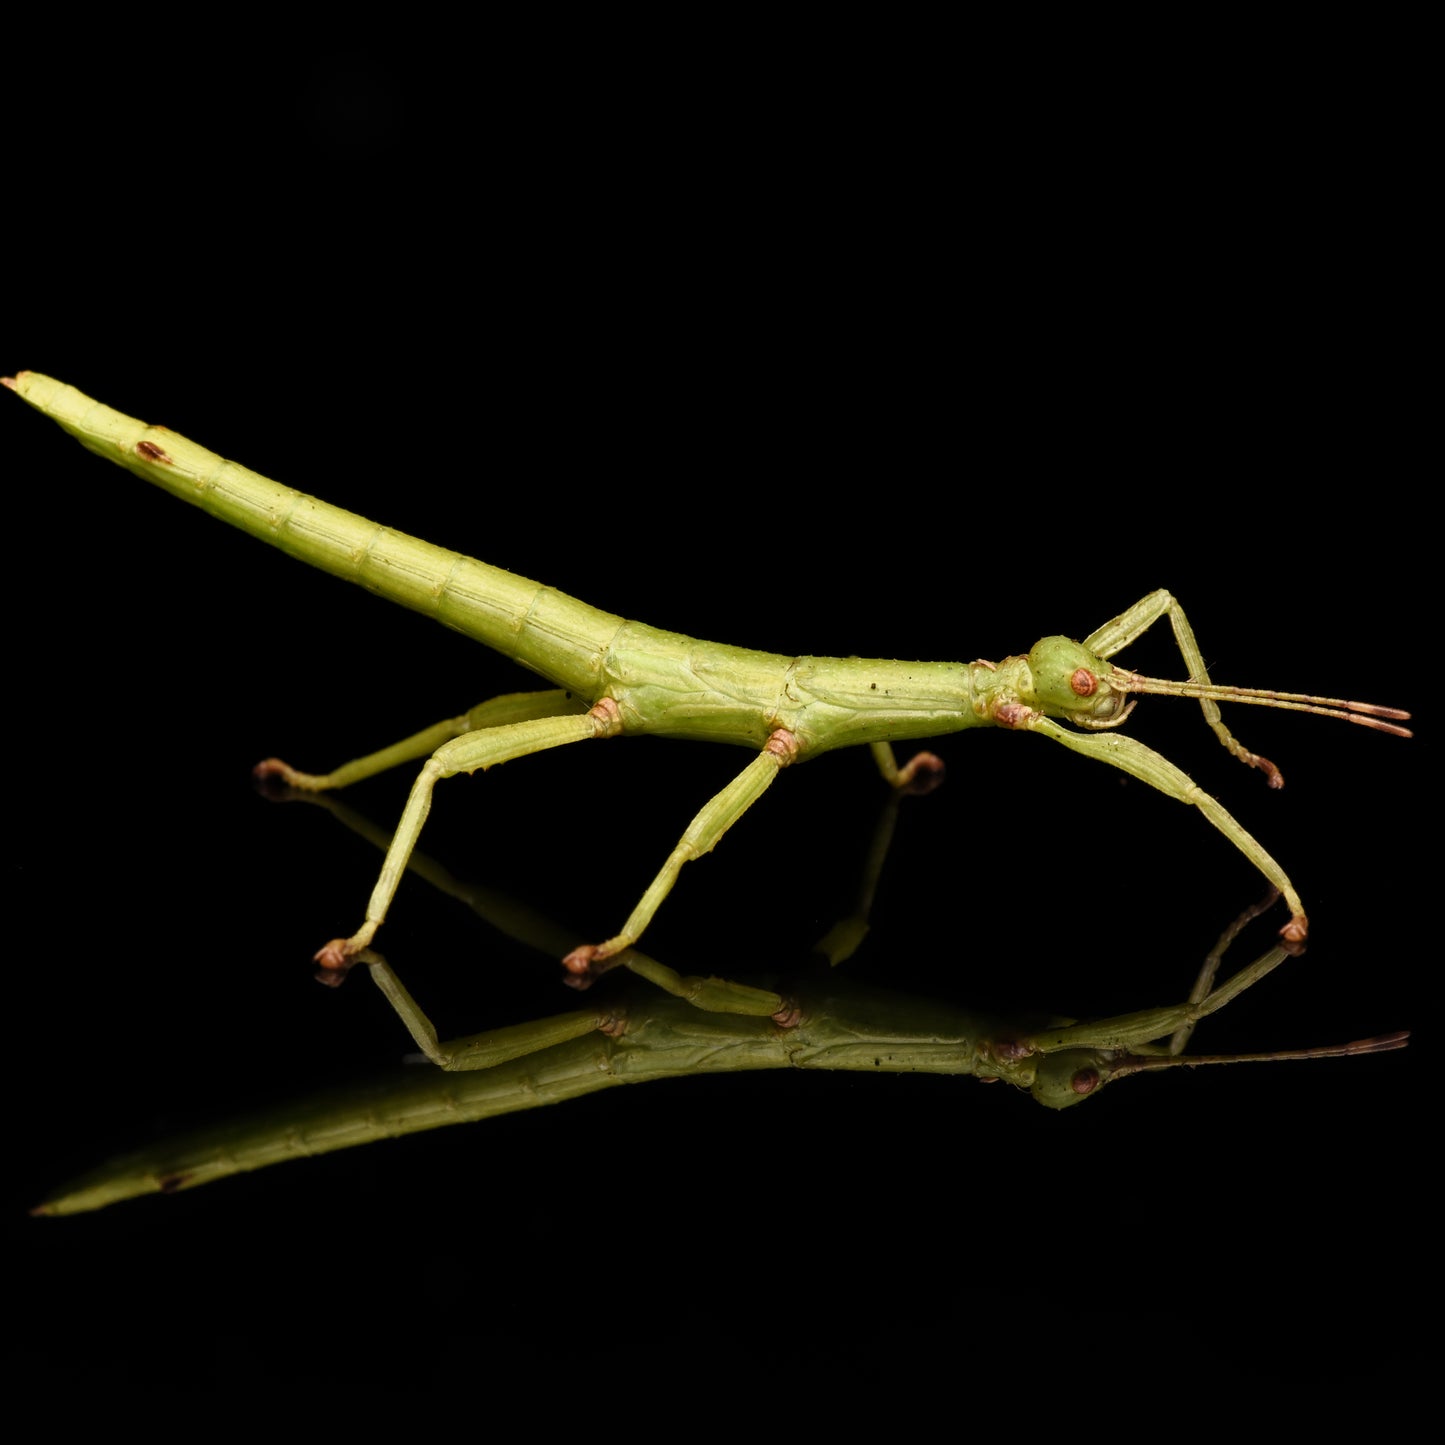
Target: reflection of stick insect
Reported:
point(836, 1026)
point(624, 677)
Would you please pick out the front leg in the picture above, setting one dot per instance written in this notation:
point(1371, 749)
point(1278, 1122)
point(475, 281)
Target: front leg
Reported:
point(1149, 767)
point(1119, 632)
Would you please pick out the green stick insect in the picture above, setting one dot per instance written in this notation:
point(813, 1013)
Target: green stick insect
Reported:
point(617, 677)
point(832, 1025)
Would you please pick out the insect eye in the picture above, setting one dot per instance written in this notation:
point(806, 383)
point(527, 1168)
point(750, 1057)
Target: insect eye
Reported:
point(1084, 683)
point(1085, 1081)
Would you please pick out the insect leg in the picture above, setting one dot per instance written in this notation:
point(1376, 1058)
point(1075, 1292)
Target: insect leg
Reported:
point(1120, 631)
point(1130, 755)
point(1135, 1031)
point(476, 751)
point(477, 1051)
point(922, 773)
point(496, 712)
point(703, 833)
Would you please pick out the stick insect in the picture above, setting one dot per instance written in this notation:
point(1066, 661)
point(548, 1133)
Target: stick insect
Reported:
point(1059, 1062)
point(617, 677)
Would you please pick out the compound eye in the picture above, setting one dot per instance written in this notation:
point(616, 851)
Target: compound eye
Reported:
point(1085, 1081)
point(1084, 683)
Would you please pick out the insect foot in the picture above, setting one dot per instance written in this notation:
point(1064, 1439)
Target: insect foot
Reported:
point(922, 773)
point(336, 960)
point(1295, 934)
point(584, 966)
point(789, 1016)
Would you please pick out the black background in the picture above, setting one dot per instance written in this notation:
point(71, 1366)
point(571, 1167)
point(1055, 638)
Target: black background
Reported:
point(827, 368)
